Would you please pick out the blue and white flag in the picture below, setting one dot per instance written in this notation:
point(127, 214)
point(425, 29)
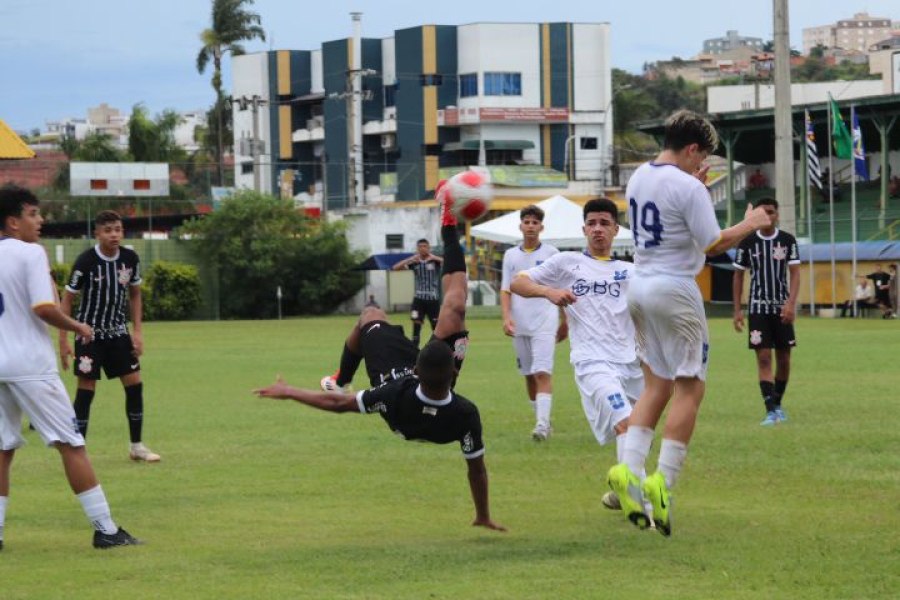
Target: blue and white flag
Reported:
point(812, 155)
point(859, 153)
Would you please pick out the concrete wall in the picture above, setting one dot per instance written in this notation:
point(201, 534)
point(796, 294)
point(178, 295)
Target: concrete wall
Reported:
point(501, 47)
point(733, 98)
point(249, 77)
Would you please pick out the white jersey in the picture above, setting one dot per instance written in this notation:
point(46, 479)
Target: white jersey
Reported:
point(532, 316)
point(672, 219)
point(26, 350)
point(600, 327)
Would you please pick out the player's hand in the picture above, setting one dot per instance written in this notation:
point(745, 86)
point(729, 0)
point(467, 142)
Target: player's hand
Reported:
point(757, 217)
point(488, 524)
point(137, 344)
point(702, 174)
point(561, 298)
point(279, 390)
point(738, 321)
point(434, 257)
point(85, 332)
point(788, 314)
point(509, 327)
point(65, 351)
point(563, 332)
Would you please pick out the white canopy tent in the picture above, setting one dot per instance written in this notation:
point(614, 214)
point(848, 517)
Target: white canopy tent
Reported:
point(563, 221)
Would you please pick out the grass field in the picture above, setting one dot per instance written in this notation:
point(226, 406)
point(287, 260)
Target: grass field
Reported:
point(266, 499)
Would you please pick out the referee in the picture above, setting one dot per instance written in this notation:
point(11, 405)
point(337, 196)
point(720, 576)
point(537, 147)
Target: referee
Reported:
point(427, 299)
point(769, 256)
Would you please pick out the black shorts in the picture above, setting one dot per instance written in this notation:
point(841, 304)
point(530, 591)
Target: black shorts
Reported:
point(767, 331)
point(422, 308)
point(115, 355)
point(387, 352)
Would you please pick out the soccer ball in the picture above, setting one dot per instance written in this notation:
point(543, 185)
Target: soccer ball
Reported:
point(468, 195)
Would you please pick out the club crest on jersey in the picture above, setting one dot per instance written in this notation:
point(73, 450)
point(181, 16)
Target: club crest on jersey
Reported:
point(779, 252)
point(85, 364)
point(124, 275)
point(621, 275)
point(756, 337)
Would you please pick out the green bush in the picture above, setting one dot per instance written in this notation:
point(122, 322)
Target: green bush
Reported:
point(170, 292)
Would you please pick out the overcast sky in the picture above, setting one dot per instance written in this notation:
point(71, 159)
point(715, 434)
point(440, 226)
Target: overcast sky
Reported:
point(58, 57)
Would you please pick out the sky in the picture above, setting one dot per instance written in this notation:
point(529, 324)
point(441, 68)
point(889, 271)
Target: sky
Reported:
point(59, 57)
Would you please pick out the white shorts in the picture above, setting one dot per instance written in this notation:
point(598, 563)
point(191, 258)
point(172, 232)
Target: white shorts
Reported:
point(534, 353)
point(48, 408)
point(670, 326)
point(608, 392)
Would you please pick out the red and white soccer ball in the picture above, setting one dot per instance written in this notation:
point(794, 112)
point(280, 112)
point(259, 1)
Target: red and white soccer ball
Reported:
point(469, 195)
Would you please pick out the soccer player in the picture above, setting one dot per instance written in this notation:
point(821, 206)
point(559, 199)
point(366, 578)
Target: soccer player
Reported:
point(427, 297)
point(29, 380)
point(419, 406)
point(533, 323)
point(108, 276)
point(674, 225)
point(592, 288)
point(769, 255)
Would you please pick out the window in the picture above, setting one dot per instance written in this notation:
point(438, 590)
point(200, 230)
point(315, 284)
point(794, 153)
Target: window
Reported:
point(393, 241)
point(246, 168)
point(390, 95)
point(99, 184)
point(588, 143)
point(502, 84)
point(142, 184)
point(432, 79)
point(468, 85)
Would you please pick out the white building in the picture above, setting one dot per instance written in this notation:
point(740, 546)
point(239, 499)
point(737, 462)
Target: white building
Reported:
point(857, 33)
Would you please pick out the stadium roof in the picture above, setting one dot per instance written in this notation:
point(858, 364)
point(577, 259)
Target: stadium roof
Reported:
point(11, 145)
point(755, 129)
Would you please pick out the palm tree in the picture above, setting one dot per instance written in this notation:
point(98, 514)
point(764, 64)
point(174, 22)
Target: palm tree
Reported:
point(232, 23)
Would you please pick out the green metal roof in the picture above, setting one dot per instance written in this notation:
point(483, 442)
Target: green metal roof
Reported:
point(489, 145)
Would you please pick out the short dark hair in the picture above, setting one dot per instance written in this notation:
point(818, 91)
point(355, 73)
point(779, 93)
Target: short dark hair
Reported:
point(107, 216)
point(13, 200)
point(686, 127)
point(435, 365)
point(601, 205)
point(423, 241)
point(532, 211)
point(766, 201)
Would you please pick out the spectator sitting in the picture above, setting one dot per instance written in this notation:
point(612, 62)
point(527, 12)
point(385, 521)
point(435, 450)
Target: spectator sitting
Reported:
point(894, 187)
point(757, 181)
point(864, 295)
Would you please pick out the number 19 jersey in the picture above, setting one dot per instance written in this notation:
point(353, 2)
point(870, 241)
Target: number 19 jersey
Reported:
point(672, 220)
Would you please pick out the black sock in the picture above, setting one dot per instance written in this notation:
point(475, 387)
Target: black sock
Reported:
point(417, 334)
point(134, 408)
point(349, 364)
point(780, 386)
point(768, 393)
point(83, 399)
point(454, 259)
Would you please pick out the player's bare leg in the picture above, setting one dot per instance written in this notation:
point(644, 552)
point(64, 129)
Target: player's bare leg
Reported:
point(351, 356)
point(782, 375)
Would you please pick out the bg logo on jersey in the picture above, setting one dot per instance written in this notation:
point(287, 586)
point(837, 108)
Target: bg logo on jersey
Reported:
point(583, 287)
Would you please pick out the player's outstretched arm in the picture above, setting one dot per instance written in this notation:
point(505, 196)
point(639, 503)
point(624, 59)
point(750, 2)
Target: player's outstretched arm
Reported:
point(51, 315)
point(478, 482)
point(737, 290)
point(330, 401)
point(65, 350)
point(754, 219)
point(524, 286)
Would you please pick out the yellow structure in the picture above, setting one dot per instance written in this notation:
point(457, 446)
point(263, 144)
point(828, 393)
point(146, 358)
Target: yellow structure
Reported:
point(11, 145)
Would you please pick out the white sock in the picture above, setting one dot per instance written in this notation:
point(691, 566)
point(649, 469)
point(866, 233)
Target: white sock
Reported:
point(671, 458)
point(96, 508)
point(620, 447)
point(544, 403)
point(3, 501)
point(637, 446)
point(533, 405)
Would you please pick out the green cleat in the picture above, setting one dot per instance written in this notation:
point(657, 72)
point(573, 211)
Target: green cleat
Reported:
point(655, 490)
point(627, 487)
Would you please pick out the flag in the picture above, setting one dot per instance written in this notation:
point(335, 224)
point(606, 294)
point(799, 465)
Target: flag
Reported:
point(859, 153)
point(843, 143)
point(812, 155)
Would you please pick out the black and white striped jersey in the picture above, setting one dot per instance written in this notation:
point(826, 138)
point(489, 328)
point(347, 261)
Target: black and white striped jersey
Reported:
point(767, 258)
point(105, 284)
point(428, 279)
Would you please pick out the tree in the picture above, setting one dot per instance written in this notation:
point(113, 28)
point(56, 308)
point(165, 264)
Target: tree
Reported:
point(259, 242)
point(231, 24)
point(153, 140)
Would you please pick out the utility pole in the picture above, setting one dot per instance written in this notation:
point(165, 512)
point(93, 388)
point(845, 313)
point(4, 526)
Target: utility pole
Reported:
point(356, 99)
point(784, 134)
point(255, 143)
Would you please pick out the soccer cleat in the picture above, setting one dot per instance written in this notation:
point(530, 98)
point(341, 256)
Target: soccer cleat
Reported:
point(655, 490)
point(628, 489)
point(541, 432)
point(610, 500)
point(780, 414)
point(329, 383)
point(141, 452)
point(770, 420)
point(121, 537)
point(440, 194)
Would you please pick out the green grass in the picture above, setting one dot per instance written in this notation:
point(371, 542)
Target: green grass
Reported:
point(265, 499)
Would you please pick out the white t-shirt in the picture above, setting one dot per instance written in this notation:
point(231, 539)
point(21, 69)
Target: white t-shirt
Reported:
point(26, 350)
point(672, 219)
point(532, 316)
point(600, 326)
